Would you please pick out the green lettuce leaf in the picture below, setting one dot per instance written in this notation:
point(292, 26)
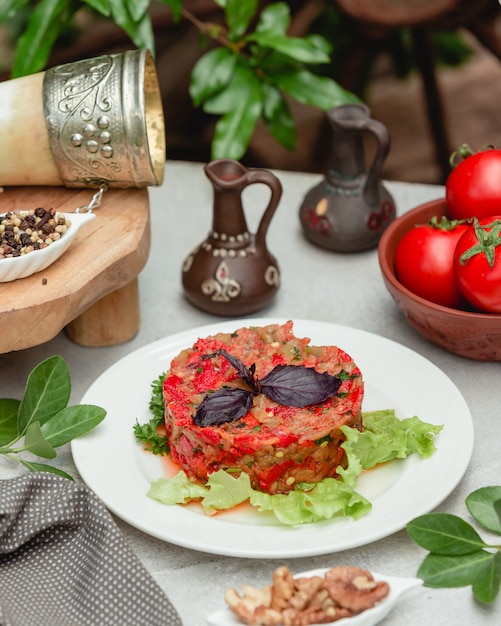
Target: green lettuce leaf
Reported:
point(306, 504)
point(384, 438)
point(325, 500)
point(225, 491)
point(222, 490)
point(176, 490)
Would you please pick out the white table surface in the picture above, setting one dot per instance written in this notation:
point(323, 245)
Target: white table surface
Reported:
point(316, 285)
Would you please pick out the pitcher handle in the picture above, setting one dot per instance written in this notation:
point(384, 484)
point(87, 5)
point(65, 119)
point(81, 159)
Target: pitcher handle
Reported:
point(270, 180)
point(380, 132)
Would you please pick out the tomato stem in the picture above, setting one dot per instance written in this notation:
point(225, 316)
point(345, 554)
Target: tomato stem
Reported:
point(488, 240)
point(445, 223)
point(465, 151)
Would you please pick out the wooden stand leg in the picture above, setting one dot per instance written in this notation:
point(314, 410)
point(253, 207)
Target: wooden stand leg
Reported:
point(112, 320)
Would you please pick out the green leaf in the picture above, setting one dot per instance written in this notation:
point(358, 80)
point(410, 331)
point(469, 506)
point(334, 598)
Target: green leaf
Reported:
point(9, 7)
point(385, 437)
point(222, 102)
point(35, 442)
point(277, 116)
point(47, 392)
point(321, 43)
point(307, 88)
point(140, 32)
point(72, 422)
point(233, 133)
point(234, 130)
point(411, 434)
point(444, 534)
point(120, 13)
point(45, 24)
point(325, 500)
point(43, 416)
point(225, 491)
point(211, 74)
point(453, 571)
point(42, 467)
point(239, 14)
point(101, 6)
point(297, 48)
point(177, 490)
point(8, 420)
point(274, 18)
point(484, 504)
point(497, 508)
point(241, 105)
point(137, 8)
point(176, 7)
point(143, 36)
point(486, 585)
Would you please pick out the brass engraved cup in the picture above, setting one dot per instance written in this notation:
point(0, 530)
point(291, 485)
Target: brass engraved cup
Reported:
point(84, 124)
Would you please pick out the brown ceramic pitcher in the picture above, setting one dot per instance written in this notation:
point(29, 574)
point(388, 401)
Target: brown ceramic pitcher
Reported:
point(232, 273)
point(350, 208)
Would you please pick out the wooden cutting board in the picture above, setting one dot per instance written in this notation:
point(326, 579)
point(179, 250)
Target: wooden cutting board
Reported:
point(91, 290)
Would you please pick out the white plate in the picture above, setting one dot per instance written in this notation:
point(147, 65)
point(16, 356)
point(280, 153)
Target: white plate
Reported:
point(38, 260)
point(112, 463)
point(398, 586)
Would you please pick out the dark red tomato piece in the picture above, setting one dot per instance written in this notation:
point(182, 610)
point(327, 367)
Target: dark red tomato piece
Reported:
point(473, 188)
point(424, 261)
point(477, 264)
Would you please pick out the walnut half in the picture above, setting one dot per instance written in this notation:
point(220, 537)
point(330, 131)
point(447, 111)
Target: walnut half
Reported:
point(342, 592)
point(354, 588)
point(254, 606)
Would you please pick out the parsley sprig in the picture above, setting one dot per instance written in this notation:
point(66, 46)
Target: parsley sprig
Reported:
point(150, 433)
point(458, 556)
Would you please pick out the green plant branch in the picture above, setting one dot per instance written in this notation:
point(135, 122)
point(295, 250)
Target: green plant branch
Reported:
point(252, 73)
point(42, 420)
point(213, 30)
point(457, 555)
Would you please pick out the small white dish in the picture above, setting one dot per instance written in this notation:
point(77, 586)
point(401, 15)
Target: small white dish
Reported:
point(369, 617)
point(28, 264)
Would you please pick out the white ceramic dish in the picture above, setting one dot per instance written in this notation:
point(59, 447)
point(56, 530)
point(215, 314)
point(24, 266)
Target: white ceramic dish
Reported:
point(28, 264)
point(398, 587)
point(114, 465)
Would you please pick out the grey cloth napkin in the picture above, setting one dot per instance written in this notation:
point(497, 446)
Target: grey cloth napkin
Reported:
point(64, 562)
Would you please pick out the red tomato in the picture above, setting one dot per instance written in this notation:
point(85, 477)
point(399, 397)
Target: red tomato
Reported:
point(473, 188)
point(477, 264)
point(423, 261)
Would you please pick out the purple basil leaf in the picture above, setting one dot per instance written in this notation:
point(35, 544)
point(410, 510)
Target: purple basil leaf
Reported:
point(244, 373)
point(224, 405)
point(297, 385)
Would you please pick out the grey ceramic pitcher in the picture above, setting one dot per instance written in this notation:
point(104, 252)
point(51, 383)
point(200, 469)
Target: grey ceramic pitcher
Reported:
point(350, 208)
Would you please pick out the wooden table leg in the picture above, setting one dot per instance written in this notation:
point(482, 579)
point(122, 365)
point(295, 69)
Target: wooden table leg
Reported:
point(436, 117)
point(110, 321)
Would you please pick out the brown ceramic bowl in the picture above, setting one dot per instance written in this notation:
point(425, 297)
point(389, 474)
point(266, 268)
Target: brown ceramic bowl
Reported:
point(465, 333)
